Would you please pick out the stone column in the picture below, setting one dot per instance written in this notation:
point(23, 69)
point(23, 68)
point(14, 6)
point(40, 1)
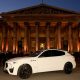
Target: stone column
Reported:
point(3, 37)
point(70, 37)
point(25, 39)
point(6, 39)
point(48, 35)
point(59, 35)
point(15, 37)
point(14, 40)
point(78, 38)
point(37, 41)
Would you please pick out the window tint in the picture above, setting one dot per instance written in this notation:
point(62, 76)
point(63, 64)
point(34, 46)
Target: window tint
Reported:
point(58, 53)
point(46, 54)
point(50, 53)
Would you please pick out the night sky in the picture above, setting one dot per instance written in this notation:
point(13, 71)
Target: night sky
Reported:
point(10, 5)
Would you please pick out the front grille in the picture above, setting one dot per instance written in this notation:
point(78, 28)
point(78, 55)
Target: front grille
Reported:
point(11, 70)
point(6, 65)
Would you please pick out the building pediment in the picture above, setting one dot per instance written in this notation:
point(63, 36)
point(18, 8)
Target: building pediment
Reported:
point(41, 9)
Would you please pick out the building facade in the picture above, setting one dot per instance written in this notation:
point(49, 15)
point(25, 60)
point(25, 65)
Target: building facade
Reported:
point(39, 27)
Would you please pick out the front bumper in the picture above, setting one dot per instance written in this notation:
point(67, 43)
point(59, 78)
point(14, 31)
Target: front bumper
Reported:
point(10, 69)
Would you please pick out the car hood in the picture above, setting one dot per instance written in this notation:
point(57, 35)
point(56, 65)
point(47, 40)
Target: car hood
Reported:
point(20, 59)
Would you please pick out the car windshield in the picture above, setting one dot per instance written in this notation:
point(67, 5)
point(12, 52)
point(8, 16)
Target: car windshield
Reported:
point(34, 54)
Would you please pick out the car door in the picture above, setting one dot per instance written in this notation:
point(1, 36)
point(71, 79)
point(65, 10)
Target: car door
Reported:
point(50, 60)
point(59, 59)
point(45, 61)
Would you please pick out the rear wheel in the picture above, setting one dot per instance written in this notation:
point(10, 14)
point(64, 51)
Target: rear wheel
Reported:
point(24, 71)
point(68, 68)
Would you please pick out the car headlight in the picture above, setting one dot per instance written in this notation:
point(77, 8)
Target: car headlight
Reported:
point(14, 62)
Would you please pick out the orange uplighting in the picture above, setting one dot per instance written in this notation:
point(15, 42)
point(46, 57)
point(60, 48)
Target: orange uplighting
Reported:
point(6, 47)
point(16, 49)
point(78, 47)
point(2, 45)
point(68, 48)
point(13, 48)
point(48, 46)
point(25, 48)
point(59, 46)
point(36, 46)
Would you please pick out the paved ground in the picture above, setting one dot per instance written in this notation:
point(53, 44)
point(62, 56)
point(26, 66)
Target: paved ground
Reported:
point(58, 75)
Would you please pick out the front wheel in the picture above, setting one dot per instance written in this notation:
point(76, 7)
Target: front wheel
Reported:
point(68, 68)
point(24, 71)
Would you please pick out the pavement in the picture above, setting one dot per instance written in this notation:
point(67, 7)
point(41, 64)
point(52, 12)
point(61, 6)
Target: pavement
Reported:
point(55, 75)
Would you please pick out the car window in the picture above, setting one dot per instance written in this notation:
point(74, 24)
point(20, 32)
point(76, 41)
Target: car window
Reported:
point(51, 53)
point(58, 53)
point(46, 54)
point(34, 54)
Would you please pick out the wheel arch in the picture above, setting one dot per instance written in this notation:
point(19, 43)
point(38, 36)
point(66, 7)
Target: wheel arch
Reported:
point(68, 62)
point(25, 65)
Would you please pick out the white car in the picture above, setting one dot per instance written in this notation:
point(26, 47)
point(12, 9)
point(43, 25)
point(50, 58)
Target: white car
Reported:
point(41, 61)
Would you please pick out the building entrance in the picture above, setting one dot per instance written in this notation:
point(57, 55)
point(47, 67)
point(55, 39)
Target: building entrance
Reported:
point(42, 43)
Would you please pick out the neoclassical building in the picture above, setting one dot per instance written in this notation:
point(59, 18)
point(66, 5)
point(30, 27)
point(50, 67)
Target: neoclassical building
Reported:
point(39, 27)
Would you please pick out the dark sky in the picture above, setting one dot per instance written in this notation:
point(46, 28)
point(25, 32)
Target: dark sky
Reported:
point(9, 5)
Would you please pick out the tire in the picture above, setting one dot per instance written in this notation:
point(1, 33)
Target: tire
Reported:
point(24, 71)
point(68, 68)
